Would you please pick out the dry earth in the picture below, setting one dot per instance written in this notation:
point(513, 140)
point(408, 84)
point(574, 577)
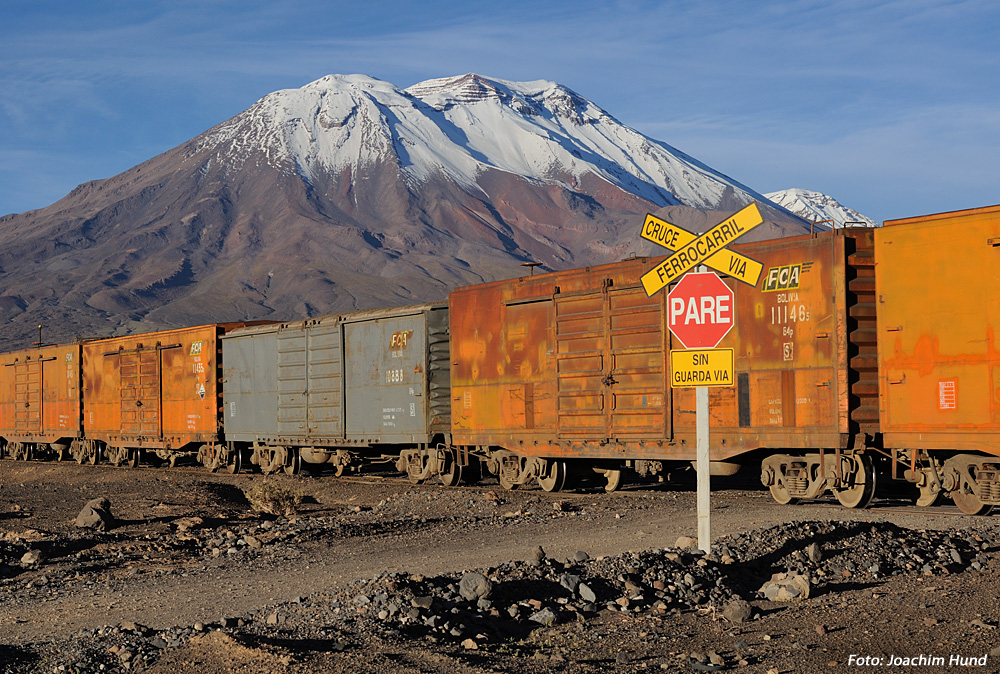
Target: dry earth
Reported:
point(367, 578)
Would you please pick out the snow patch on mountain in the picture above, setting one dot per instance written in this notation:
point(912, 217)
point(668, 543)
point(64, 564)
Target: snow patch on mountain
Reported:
point(816, 207)
point(460, 127)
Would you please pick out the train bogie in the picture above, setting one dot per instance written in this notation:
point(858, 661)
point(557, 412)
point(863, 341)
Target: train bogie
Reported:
point(341, 388)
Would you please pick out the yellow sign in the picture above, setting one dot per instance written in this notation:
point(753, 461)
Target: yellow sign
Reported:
point(725, 261)
point(701, 249)
point(701, 367)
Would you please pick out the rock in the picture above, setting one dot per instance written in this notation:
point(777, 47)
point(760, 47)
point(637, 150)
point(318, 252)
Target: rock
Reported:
point(475, 585)
point(538, 556)
point(955, 556)
point(273, 619)
point(470, 645)
point(33, 557)
point(685, 542)
point(586, 593)
point(422, 602)
point(814, 552)
point(252, 542)
point(189, 523)
point(544, 617)
point(786, 587)
point(581, 556)
point(737, 611)
point(96, 514)
point(570, 582)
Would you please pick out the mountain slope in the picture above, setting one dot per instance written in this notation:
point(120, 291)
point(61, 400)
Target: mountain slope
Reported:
point(351, 193)
point(816, 207)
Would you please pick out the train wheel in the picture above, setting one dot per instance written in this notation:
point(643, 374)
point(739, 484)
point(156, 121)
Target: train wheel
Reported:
point(860, 494)
point(235, 463)
point(94, 456)
point(294, 464)
point(555, 476)
point(134, 458)
point(116, 455)
point(928, 498)
point(970, 504)
point(452, 474)
point(612, 478)
point(780, 494)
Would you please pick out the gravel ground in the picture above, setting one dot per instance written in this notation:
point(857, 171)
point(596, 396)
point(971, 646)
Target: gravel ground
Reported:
point(379, 575)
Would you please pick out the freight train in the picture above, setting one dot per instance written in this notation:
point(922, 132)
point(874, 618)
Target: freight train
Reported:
point(863, 355)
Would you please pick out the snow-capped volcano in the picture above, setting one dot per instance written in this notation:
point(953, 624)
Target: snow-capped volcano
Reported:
point(352, 193)
point(818, 207)
point(459, 127)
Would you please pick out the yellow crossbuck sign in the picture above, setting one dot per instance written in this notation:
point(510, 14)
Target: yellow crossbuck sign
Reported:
point(709, 249)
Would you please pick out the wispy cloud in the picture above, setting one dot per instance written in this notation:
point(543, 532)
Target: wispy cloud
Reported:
point(769, 92)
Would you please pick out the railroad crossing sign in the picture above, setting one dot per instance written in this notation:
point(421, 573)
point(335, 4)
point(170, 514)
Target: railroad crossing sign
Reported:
point(700, 310)
point(709, 249)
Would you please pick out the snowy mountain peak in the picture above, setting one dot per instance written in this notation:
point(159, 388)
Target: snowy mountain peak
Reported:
point(460, 127)
point(817, 207)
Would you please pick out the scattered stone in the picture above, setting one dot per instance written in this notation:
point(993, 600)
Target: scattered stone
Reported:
point(470, 645)
point(737, 611)
point(581, 556)
point(786, 587)
point(475, 585)
point(33, 557)
point(814, 552)
point(685, 542)
point(586, 593)
point(96, 514)
point(570, 581)
point(546, 617)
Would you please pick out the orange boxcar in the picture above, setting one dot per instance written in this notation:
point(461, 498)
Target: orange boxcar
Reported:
point(939, 357)
point(40, 400)
point(156, 391)
point(574, 365)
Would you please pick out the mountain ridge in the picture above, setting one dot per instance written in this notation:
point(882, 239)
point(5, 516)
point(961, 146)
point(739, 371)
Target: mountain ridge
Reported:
point(350, 193)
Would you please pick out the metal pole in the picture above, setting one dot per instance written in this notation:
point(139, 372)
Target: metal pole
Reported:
point(702, 464)
point(704, 470)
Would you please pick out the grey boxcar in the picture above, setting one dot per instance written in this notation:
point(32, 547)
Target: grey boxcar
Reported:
point(341, 389)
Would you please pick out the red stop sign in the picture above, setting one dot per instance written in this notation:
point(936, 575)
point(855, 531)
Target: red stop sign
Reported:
point(700, 310)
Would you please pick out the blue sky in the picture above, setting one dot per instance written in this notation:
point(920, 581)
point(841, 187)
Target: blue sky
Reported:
point(893, 107)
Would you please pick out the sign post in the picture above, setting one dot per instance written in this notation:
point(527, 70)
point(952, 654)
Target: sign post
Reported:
point(700, 312)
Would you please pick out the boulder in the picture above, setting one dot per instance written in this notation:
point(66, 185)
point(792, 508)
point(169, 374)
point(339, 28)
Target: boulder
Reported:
point(475, 586)
point(96, 515)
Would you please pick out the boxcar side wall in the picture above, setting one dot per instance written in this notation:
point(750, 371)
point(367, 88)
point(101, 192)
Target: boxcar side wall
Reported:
point(349, 380)
point(249, 384)
point(939, 321)
point(574, 363)
point(154, 390)
point(390, 366)
point(40, 394)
